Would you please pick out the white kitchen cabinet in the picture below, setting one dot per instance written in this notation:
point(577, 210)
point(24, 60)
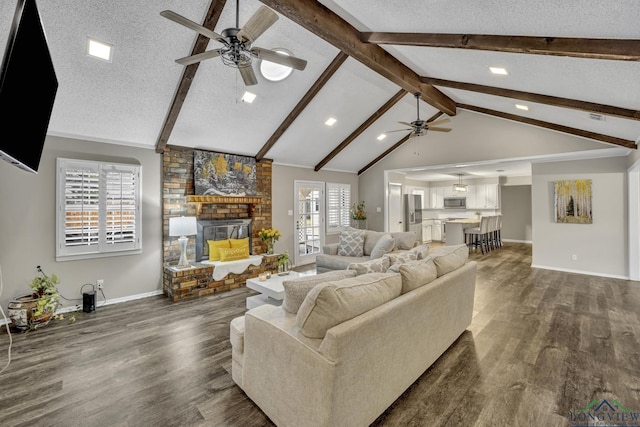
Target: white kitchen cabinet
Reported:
point(436, 231)
point(483, 196)
point(491, 199)
point(471, 197)
point(427, 226)
point(437, 197)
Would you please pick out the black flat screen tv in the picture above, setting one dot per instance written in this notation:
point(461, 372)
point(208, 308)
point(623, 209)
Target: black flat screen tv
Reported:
point(28, 87)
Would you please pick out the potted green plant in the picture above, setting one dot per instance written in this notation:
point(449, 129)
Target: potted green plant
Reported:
point(284, 264)
point(45, 291)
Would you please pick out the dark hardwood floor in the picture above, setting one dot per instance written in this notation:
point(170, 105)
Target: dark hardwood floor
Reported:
point(542, 344)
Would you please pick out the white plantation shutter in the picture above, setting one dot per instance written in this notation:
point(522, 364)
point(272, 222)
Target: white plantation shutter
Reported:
point(338, 205)
point(98, 209)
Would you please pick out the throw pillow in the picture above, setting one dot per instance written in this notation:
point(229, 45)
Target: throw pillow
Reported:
point(405, 239)
point(401, 257)
point(295, 290)
point(417, 273)
point(238, 243)
point(331, 303)
point(421, 251)
point(351, 242)
point(385, 244)
point(379, 265)
point(232, 254)
point(214, 245)
point(371, 238)
point(449, 258)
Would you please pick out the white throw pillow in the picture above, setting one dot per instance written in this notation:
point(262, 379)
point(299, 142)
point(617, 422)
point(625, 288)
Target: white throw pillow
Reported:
point(421, 251)
point(379, 265)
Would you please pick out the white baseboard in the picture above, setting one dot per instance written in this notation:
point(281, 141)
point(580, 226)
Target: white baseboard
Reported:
point(78, 307)
point(517, 241)
point(589, 273)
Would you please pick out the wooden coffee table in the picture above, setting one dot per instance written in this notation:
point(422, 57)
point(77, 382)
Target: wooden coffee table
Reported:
point(271, 290)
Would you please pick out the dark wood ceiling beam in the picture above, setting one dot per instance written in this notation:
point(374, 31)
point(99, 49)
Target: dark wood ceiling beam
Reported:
point(613, 49)
point(189, 72)
point(608, 110)
point(319, 20)
point(560, 128)
point(375, 116)
point(302, 104)
point(394, 146)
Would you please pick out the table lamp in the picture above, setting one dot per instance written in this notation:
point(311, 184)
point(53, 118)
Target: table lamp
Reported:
point(183, 226)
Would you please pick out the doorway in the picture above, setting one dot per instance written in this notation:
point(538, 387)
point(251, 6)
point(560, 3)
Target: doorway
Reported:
point(394, 205)
point(309, 224)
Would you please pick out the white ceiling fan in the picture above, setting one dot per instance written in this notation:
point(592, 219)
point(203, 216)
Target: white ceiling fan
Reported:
point(237, 50)
point(419, 127)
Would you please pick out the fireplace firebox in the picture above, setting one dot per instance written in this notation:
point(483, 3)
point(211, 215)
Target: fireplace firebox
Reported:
point(219, 230)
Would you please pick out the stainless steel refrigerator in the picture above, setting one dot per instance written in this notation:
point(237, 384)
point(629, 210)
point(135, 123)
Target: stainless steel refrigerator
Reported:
point(413, 214)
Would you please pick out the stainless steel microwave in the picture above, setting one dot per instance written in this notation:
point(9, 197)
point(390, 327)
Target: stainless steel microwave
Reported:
point(455, 202)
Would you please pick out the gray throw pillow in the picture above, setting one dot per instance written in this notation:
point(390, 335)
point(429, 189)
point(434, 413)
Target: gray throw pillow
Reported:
point(405, 239)
point(379, 265)
point(371, 238)
point(295, 290)
point(351, 243)
point(417, 273)
point(385, 244)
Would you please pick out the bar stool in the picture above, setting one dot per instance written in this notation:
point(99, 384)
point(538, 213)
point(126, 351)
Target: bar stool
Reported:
point(499, 230)
point(478, 236)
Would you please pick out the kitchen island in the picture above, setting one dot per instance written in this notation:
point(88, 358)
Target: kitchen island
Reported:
point(455, 230)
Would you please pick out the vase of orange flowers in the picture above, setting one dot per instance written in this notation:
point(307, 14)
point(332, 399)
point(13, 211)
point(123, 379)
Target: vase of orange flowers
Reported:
point(269, 236)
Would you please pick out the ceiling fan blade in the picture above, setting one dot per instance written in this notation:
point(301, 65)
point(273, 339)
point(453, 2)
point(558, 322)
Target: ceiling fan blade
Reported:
point(399, 130)
point(257, 24)
point(440, 129)
point(248, 76)
point(193, 26)
point(188, 60)
point(438, 122)
point(279, 58)
point(406, 124)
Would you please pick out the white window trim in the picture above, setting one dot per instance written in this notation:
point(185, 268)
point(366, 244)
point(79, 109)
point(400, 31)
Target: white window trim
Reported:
point(102, 248)
point(344, 211)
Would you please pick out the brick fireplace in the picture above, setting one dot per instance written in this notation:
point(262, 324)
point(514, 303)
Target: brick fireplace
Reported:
point(178, 198)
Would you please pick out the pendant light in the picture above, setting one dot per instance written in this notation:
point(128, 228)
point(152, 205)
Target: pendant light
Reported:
point(460, 187)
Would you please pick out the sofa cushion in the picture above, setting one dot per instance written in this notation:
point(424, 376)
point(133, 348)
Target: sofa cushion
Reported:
point(421, 251)
point(236, 334)
point(379, 265)
point(331, 303)
point(383, 245)
point(405, 239)
point(449, 258)
point(371, 238)
point(351, 243)
point(336, 262)
point(295, 290)
point(417, 273)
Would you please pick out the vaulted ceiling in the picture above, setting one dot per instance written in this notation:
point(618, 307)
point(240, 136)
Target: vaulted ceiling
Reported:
point(575, 66)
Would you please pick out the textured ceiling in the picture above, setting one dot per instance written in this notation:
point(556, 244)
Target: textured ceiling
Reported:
point(127, 100)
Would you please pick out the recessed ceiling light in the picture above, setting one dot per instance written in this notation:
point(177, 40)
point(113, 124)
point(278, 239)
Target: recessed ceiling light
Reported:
point(275, 72)
point(330, 121)
point(499, 70)
point(99, 49)
point(522, 107)
point(381, 137)
point(248, 97)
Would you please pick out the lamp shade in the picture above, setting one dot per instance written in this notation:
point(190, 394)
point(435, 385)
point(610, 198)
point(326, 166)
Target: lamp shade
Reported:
point(183, 226)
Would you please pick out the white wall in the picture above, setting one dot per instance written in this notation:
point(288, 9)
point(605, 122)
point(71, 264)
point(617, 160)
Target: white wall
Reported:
point(27, 226)
point(601, 247)
point(283, 198)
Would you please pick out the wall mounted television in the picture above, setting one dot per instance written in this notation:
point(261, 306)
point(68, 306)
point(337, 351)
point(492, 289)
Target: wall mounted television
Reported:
point(28, 87)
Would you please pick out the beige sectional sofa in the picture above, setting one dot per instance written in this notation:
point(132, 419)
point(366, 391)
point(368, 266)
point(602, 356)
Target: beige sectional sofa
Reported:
point(355, 344)
point(373, 246)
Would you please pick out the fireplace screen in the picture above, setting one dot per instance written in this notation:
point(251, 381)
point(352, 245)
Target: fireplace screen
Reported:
point(220, 230)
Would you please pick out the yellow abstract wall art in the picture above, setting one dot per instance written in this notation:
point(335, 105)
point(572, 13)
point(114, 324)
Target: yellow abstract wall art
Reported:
point(573, 201)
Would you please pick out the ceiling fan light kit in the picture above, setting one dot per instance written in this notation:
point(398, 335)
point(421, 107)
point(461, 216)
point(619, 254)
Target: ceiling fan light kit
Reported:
point(237, 50)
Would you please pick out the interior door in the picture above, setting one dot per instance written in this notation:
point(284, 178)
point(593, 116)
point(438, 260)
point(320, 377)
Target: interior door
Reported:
point(309, 232)
point(394, 207)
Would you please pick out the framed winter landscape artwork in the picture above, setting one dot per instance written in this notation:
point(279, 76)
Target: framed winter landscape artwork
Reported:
point(573, 201)
point(218, 174)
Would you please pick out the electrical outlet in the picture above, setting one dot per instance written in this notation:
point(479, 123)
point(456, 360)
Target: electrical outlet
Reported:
point(99, 283)
point(574, 257)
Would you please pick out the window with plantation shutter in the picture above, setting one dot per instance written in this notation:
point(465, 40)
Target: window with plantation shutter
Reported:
point(338, 204)
point(98, 209)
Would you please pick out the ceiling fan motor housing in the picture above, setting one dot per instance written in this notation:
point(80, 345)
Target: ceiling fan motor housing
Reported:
point(235, 53)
